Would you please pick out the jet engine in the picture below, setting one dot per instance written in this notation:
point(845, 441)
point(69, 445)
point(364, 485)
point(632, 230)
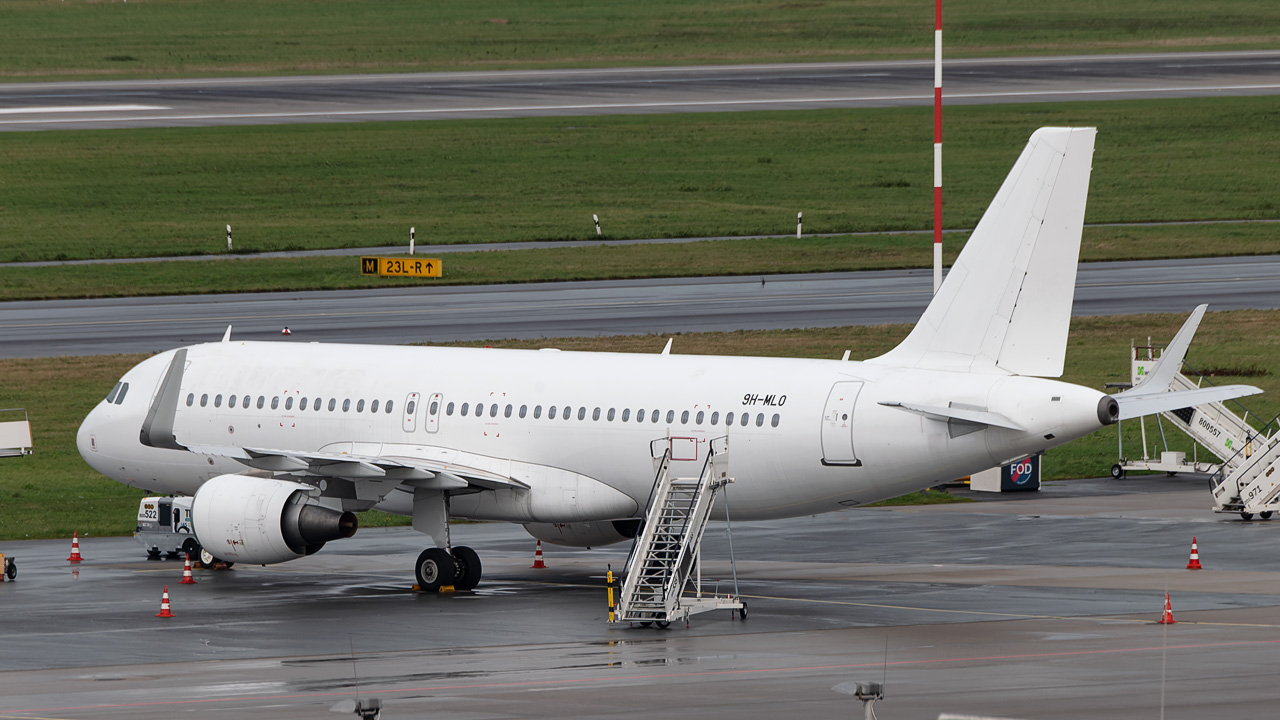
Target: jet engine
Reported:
point(260, 521)
point(585, 534)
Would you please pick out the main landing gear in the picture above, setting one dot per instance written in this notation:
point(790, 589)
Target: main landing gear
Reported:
point(443, 565)
point(437, 568)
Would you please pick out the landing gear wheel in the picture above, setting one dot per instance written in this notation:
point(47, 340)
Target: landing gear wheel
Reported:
point(663, 624)
point(1265, 514)
point(1117, 472)
point(206, 559)
point(435, 569)
point(466, 568)
point(11, 569)
point(1246, 516)
point(742, 611)
point(191, 548)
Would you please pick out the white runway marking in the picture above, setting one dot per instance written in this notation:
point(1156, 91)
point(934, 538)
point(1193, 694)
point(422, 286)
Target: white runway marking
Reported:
point(77, 109)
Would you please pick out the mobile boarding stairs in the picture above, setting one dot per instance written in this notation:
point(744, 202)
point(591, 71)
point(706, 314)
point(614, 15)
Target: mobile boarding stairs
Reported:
point(668, 549)
point(1247, 480)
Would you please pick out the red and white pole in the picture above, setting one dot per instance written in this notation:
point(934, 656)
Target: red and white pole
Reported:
point(937, 146)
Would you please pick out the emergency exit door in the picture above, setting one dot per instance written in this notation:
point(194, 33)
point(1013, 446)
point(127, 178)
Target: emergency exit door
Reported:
point(837, 424)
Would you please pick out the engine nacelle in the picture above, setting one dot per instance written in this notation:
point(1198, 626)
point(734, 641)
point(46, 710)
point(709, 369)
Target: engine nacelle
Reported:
point(585, 534)
point(254, 520)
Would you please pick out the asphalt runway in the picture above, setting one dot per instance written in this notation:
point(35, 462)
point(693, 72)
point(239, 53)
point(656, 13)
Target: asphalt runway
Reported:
point(1036, 605)
point(530, 93)
point(596, 308)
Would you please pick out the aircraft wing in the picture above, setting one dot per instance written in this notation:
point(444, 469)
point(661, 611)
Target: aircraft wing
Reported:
point(437, 468)
point(1153, 394)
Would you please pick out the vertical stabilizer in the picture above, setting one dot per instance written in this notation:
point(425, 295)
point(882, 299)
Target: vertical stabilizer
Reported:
point(1005, 305)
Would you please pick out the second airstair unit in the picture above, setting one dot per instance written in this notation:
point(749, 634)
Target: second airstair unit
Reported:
point(1246, 477)
point(667, 551)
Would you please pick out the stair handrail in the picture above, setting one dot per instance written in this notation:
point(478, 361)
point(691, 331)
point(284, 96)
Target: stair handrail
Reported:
point(1220, 476)
point(684, 530)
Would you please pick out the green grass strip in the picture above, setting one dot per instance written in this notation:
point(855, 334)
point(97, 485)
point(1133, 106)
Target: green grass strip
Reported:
point(40, 39)
point(69, 195)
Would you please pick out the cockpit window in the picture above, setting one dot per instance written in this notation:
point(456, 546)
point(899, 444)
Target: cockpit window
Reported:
point(124, 389)
point(111, 396)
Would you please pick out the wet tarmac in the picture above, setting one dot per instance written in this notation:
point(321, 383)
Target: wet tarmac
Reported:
point(1040, 605)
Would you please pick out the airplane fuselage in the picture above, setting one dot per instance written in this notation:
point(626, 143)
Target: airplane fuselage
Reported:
point(806, 436)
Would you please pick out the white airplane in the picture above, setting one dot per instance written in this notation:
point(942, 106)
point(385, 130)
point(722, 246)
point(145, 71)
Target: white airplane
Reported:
point(280, 443)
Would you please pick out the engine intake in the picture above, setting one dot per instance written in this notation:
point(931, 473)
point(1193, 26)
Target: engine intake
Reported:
point(254, 520)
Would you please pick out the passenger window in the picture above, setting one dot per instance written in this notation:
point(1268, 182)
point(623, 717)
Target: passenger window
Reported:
point(124, 390)
point(746, 418)
point(698, 420)
point(388, 408)
point(567, 412)
point(204, 399)
point(479, 409)
point(715, 418)
point(275, 402)
point(244, 404)
point(373, 407)
point(448, 409)
point(610, 415)
point(302, 405)
point(626, 414)
point(493, 410)
point(465, 408)
point(408, 409)
point(191, 399)
point(232, 402)
point(595, 414)
point(523, 410)
point(671, 416)
point(217, 400)
point(360, 405)
point(333, 403)
point(288, 403)
point(316, 404)
point(582, 413)
point(346, 405)
point(111, 396)
point(759, 419)
point(435, 407)
point(537, 411)
point(640, 415)
point(551, 413)
point(262, 400)
point(507, 412)
point(653, 417)
point(684, 418)
point(728, 420)
point(775, 420)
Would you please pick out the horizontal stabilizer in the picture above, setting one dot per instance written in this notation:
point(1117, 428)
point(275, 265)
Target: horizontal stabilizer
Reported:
point(981, 417)
point(1137, 405)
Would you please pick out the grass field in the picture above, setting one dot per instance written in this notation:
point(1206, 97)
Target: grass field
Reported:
point(758, 256)
point(42, 39)
point(70, 195)
point(51, 493)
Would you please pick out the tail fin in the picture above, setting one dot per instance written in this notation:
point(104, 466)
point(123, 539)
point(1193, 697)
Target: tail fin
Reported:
point(1005, 305)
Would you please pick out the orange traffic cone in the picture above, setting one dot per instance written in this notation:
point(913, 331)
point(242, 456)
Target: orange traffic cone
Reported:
point(1194, 562)
point(537, 558)
point(187, 578)
point(164, 604)
point(75, 549)
point(1167, 617)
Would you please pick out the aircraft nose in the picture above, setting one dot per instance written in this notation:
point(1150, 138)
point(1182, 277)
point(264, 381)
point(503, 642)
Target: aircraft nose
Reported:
point(87, 436)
